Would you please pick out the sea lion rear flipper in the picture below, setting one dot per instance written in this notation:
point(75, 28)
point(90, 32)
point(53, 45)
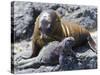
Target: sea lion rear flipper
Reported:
point(92, 44)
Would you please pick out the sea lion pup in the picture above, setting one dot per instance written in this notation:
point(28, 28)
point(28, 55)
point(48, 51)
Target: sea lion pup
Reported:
point(49, 27)
point(52, 54)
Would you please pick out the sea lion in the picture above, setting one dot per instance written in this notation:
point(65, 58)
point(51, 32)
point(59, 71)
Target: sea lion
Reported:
point(49, 27)
point(52, 54)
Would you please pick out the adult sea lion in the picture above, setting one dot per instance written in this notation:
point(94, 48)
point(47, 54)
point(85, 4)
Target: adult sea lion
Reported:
point(49, 27)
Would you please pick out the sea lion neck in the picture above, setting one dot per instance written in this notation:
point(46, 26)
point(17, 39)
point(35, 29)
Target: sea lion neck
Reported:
point(57, 32)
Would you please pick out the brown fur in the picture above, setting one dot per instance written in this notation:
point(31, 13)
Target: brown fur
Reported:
point(60, 30)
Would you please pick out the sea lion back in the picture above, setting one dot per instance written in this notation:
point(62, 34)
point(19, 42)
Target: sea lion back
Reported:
point(72, 29)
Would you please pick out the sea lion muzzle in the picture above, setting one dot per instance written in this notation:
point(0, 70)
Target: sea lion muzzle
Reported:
point(45, 28)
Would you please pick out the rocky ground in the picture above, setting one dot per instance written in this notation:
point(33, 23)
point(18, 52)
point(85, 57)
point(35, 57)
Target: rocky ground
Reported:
point(86, 58)
point(23, 18)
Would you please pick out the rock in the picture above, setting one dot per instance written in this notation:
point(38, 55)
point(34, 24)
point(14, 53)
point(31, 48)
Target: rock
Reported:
point(22, 49)
point(85, 16)
point(85, 59)
point(41, 69)
point(61, 11)
point(23, 19)
point(72, 8)
point(88, 23)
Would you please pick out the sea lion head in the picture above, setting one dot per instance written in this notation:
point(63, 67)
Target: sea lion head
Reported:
point(68, 42)
point(47, 20)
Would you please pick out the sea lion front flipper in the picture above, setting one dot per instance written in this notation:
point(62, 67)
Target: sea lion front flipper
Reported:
point(92, 44)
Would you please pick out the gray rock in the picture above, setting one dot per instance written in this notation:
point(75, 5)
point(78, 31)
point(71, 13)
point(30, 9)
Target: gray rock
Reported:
point(85, 59)
point(72, 8)
point(61, 11)
point(85, 16)
point(22, 20)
